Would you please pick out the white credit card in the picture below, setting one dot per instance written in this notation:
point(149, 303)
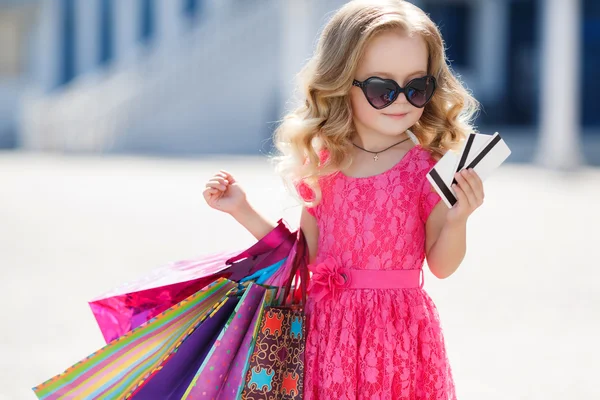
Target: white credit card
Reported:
point(471, 147)
point(441, 176)
point(483, 153)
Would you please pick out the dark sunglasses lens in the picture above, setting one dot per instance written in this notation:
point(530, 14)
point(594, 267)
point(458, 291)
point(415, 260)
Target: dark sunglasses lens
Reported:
point(381, 93)
point(419, 91)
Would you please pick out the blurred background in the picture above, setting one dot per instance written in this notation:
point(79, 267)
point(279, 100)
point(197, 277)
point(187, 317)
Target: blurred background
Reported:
point(113, 113)
point(160, 77)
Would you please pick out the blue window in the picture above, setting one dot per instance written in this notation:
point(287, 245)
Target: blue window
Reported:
point(191, 8)
point(106, 32)
point(590, 84)
point(67, 31)
point(147, 20)
point(454, 22)
point(523, 69)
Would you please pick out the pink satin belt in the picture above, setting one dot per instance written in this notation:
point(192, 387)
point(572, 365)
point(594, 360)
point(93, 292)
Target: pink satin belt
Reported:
point(383, 279)
point(328, 278)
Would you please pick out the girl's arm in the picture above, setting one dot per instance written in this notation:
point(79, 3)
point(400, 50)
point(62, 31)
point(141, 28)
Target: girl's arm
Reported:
point(445, 243)
point(446, 229)
point(253, 221)
point(260, 226)
point(223, 193)
point(308, 224)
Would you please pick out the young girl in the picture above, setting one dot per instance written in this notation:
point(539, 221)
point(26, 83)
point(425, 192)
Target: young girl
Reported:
point(381, 106)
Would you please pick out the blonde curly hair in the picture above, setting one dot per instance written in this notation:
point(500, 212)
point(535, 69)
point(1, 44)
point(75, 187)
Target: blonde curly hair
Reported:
point(324, 119)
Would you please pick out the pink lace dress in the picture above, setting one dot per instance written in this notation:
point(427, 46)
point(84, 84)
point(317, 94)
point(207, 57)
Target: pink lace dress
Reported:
point(376, 343)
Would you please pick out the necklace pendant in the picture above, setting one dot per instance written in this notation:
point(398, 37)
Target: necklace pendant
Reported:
point(376, 157)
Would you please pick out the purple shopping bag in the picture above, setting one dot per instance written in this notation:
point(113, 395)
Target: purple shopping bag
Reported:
point(175, 376)
point(234, 380)
point(128, 306)
point(213, 372)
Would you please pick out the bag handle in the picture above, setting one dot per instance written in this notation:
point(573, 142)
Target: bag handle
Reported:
point(275, 238)
point(299, 264)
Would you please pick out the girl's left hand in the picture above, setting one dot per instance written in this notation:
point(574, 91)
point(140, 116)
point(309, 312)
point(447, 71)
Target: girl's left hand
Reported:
point(469, 193)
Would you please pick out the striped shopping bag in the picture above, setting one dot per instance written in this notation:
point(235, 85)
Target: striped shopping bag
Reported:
point(173, 341)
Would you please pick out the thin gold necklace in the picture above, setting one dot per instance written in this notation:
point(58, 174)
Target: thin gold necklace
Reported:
point(376, 156)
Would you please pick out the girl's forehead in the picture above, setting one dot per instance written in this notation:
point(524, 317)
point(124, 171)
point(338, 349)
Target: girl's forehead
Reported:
point(394, 54)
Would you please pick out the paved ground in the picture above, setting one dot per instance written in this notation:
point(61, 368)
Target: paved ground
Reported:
point(520, 315)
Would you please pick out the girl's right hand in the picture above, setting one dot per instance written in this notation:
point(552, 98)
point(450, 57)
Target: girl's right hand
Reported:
point(223, 193)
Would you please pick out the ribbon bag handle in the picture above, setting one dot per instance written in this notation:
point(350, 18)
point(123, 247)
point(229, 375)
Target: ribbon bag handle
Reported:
point(300, 261)
point(271, 241)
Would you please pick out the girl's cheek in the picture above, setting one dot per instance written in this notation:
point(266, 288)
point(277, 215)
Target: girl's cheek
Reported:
point(362, 110)
point(417, 116)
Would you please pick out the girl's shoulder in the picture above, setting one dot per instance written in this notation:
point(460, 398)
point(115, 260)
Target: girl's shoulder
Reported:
point(425, 158)
point(302, 188)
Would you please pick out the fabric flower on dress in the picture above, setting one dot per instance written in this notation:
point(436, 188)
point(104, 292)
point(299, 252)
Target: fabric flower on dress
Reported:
point(328, 276)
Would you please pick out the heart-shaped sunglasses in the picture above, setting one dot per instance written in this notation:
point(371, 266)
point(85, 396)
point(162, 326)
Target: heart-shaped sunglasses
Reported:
point(380, 92)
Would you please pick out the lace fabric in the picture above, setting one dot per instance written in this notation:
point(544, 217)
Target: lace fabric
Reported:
point(374, 343)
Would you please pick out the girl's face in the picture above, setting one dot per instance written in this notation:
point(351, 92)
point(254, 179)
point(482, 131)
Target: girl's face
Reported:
point(389, 55)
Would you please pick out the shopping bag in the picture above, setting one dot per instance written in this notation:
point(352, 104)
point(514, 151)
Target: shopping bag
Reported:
point(276, 367)
point(130, 305)
point(234, 380)
point(213, 372)
point(282, 274)
point(175, 376)
point(127, 364)
point(222, 374)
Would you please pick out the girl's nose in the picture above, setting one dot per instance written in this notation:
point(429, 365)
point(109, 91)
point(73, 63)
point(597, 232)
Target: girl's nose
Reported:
point(401, 99)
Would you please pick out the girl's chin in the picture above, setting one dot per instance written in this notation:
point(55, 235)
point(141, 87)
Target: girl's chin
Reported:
point(393, 128)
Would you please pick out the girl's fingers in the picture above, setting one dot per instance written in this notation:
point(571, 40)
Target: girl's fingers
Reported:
point(476, 184)
point(216, 185)
point(460, 195)
point(210, 194)
point(462, 183)
point(211, 191)
point(228, 176)
point(467, 188)
point(220, 179)
point(214, 182)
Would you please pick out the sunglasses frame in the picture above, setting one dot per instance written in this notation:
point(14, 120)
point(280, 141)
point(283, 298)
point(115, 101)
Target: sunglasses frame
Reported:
point(399, 89)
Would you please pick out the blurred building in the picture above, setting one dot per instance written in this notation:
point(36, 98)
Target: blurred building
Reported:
point(213, 76)
point(16, 20)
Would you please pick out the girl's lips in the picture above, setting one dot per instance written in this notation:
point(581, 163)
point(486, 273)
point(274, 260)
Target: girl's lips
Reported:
point(396, 116)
